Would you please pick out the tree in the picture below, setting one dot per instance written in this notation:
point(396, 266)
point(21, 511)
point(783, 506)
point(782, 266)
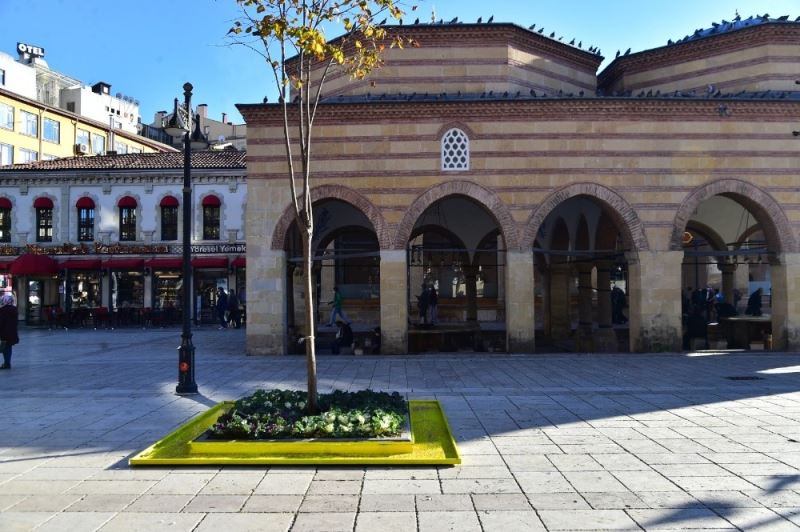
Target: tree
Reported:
point(276, 28)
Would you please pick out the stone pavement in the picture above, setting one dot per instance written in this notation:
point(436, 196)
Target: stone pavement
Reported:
point(549, 442)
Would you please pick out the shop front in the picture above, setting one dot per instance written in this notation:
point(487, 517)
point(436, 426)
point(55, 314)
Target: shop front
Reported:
point(167, 291)
point(126, 290)
point(83, 289)
point(210, 273)
point(38, 283)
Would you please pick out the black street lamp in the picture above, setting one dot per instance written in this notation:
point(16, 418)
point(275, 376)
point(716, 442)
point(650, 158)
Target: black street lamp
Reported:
point(177, 127)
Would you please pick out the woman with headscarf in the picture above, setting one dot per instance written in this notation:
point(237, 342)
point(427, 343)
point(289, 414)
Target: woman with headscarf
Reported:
point(8, 328)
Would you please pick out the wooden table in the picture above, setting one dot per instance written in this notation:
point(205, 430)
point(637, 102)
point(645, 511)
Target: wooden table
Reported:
point(741, 330)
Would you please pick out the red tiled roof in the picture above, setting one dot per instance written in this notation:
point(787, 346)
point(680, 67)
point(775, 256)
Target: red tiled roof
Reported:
point(200, 159)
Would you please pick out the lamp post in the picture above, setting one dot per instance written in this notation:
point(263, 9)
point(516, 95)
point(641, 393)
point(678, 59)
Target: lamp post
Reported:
point(177, 127)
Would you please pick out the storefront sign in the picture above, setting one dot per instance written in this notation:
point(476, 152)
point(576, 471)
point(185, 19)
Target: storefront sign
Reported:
point(120, 249)
point(36, 51)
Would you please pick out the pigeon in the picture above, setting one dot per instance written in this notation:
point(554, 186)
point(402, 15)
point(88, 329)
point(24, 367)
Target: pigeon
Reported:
point(670, 42)
point(541, 30)
point(382, 22)
point(490, 19)
point(572, 42)
point(532, 27)
point(454, 20)
point(480, 19)
point(580, 44)
point(784, 18)
point(416, 21)
point(627, 51)
point(552, 35)
point(617, 54)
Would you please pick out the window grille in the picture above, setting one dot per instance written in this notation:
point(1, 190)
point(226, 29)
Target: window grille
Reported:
point(455, 150)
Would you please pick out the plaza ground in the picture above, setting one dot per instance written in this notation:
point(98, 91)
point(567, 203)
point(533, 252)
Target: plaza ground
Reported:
point(549, 442)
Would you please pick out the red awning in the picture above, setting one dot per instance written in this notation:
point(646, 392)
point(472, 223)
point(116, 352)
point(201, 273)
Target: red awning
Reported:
point(42, 203)
point(211, 201)
point(81, 264)
point(169, 201)
point(210, 262)
point(29, 264)
point(5, 264)
point(5, 203)
point(165, 263)
point(127, 201)
point(85, 203)
point(239, 262)
point(124, 264)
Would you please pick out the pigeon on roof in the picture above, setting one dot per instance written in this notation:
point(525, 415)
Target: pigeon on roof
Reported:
point(580, 44)
point(627, 51)
point(532, 27)
point(454, 20)
point(490, 19)
point(784, 18)
point(617, 54)
point(552, 35)
point(480, 19)
point(541, 30)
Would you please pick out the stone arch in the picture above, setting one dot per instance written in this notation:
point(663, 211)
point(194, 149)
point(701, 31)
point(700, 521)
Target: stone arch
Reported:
point(614, 205)
point(768, 212)
point(488, 199)
point(338, 192)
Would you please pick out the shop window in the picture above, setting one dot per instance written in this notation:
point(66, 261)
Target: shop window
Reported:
point(455, 150)
point(127, 218)
point(211, 206)
point(30, 124)
point(85, 219)
point(6, 154)
point(6, 116)
point(5, 220)
point(44, 219)
point(169, 218)
point(51, 130)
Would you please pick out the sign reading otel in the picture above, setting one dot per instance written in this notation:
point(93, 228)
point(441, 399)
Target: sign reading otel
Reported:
point(36, 51)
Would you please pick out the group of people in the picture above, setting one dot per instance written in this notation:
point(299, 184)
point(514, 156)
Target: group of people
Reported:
point(702, 306)
point(228, 311)
point(428, 305)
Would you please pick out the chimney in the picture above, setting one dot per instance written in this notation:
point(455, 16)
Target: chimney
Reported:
point(202, 110)
point(224, 118)
point(158, 119)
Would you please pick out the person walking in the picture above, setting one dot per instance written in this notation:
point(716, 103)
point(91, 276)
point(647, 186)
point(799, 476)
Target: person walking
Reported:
point(222, 306)
point(234, 312)
point(433, 302)
point(422, 304)
point(8, 328)
point(336, 308)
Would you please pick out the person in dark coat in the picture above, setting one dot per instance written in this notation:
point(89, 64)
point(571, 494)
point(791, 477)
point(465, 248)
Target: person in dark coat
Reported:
point(8, 328)
point(344, 337)
point(222, 306)
point(754, 303)
point(423, 300)
point(234, 312)
point(433, 303)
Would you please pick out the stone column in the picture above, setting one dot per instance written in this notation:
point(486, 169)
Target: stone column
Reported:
point(605, 337)
point(584, 340)
point(785, 277)
point(560, 280)
point(266, 301)
point(728, 277)
point(394, 302)
point(654, 296)
point(148, 289)
point(520, 323)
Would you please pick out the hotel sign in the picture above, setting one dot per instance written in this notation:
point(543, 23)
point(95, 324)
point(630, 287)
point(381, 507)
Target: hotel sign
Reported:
point(35, 51)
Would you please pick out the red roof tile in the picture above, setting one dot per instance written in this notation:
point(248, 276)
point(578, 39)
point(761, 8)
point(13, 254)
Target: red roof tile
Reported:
point(200, 159)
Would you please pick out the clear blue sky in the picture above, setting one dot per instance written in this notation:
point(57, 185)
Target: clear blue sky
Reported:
point(147, 49)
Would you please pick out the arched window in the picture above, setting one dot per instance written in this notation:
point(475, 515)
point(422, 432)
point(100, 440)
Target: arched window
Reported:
point(5, 220)
point(44, 219)
point(455, 150)
point(85, 219)
point(127, 218)
point(211, 205)
point(169, 218)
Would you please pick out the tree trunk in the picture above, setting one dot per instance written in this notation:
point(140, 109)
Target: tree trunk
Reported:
point(311, 355)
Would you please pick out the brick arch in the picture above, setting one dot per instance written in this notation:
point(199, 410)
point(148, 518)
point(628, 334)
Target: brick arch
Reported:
point(336, 192)
point(614, 205)
point(483, 196)
point(768, 212)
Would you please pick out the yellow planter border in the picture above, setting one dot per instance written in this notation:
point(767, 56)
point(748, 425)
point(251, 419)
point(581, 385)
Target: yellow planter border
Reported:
point(432, 444)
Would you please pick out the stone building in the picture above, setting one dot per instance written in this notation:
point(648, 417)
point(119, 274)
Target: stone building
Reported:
point(96, 240)
point(497, 165)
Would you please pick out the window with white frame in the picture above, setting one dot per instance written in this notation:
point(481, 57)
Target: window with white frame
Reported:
point(98, 144)
point(455, 150)
point(30, 123)
point(51, 130)
point(120, 147)
point(6, 116)
point(6, 154)
point(28, 156)
point(82, 137)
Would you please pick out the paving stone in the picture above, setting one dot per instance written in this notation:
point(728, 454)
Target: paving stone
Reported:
point(159, 503)
point(558, 501)
point(448, 521)
point(273, 504)
point(232, 484)
point(45, 503)
point(637, 481)
point(587, 520)
point(505, 501)
point(246, 522)
point(284, 484)
point(152, 522)
point(23, 521)
point(329, 503)
point(443, 503)
point(332, 487)
point(594, 481)
point(402, 487)
point(340, 474)
point(388, 521)
point(387, 503)
point(74, 521)
point(534, 482)
point(100, 502)
point(181, 484)
point(759, 519)
point(498, 485)
point(712, 483)
point(136, 487)
point(614, 501)
point(215, 503)
point(469, 472)
point(725, 499)
point(683, 518)
point(324, 522)
point(504, 521)
point(775, 498)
